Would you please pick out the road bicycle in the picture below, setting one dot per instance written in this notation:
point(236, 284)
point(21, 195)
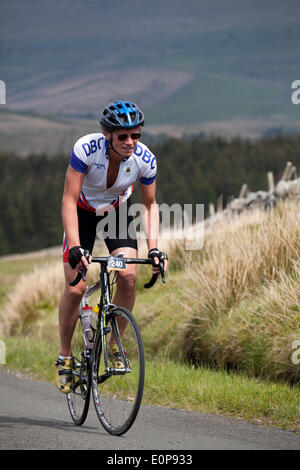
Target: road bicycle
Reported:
point(117, 392)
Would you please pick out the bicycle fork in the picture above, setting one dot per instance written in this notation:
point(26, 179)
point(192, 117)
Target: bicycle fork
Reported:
point(108, 324)
point(108, 318)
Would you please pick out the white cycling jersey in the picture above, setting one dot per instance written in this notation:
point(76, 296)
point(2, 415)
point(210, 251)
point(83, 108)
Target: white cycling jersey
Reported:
point(89, 156)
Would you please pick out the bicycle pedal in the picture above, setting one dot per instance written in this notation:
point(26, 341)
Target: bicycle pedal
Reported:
point(118, 371)
point(106, 330)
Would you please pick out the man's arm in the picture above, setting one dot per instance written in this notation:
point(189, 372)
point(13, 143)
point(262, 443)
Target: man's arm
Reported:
point(150, 214)
point(151, 219)
point(72, 188)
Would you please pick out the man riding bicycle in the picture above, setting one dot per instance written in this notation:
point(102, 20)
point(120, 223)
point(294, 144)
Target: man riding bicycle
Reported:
point(102, 170)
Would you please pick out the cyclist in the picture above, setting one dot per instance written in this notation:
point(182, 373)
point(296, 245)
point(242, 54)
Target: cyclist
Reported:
point(102, 170)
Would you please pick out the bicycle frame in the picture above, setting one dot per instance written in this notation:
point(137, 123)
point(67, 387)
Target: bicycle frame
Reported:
point(96, 366)
point(106, 308)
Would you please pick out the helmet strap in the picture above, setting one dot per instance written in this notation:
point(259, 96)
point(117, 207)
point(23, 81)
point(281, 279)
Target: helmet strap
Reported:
point(111, 144)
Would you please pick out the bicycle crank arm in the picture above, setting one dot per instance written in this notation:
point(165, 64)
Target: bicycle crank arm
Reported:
point(103, 378)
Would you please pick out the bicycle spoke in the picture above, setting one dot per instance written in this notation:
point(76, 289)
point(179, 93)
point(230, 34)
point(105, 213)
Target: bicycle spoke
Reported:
point(78, 400)
point(117, 393)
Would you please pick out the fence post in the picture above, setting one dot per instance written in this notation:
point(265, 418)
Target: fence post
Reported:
point(211, 209)
point(271, 183)
point(286, 172)
point(293, 172)
point(220, 203)
point(243, 191)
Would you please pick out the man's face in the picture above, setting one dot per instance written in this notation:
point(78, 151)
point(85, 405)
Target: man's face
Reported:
point(125, 140)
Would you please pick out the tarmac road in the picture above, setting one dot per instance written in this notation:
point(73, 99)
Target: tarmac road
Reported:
point(34, 415)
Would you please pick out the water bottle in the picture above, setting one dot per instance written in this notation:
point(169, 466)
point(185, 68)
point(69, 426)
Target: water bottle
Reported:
point(85, 317)
point(93, 324)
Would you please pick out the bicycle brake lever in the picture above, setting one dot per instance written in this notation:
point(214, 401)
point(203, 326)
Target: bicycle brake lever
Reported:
point(162, 273)
point(78, 278)
point(155, 276)
point(81, 275)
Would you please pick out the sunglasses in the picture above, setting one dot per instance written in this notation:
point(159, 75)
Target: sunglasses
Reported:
point(134, 136)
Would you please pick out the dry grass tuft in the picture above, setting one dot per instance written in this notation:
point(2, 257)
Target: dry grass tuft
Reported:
point(244, 295)
point(33, 303)
point(234, 304)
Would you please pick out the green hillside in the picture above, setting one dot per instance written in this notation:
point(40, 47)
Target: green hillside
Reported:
point(184, 62)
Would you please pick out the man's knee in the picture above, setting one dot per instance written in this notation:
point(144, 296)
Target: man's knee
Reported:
point(75, 293)
point(127, 281)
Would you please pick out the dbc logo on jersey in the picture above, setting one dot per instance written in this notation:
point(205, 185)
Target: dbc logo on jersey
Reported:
point(92, 147)
point(147, 156)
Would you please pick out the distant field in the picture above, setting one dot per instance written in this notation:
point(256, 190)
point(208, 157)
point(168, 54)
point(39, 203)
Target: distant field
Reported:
point(82, 95)
point(218, 98)
point(24, 133)
point(184, 64)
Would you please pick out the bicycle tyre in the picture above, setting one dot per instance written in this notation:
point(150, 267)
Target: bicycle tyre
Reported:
point(118, 398)
point(79, 399)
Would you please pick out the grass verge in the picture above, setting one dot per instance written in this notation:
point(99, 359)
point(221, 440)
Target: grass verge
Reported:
point(181, 386)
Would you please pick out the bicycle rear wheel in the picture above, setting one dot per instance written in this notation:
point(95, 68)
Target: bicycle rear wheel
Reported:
point(79, 400)
point(118, 394)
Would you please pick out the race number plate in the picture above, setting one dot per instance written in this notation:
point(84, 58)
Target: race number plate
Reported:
point(116, 264)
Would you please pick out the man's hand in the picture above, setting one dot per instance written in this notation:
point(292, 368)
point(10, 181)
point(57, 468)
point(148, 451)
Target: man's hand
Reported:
point(77, 259)
point(158, 256)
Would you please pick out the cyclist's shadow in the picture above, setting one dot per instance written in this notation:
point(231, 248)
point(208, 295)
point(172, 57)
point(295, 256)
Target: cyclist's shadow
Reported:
point(9, 422)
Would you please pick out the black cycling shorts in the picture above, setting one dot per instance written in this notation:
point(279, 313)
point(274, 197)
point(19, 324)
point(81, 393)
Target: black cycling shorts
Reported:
point(116, 228)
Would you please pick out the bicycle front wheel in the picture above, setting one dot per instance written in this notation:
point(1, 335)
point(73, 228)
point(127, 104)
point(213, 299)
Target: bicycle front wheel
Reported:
point(118, 394)
point(79, 400)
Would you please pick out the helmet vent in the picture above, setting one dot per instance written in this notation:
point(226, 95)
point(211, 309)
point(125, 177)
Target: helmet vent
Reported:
point(121, 115)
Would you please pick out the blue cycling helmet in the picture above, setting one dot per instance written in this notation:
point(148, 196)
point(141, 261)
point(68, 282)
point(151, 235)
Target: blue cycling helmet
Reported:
point(121, 115)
